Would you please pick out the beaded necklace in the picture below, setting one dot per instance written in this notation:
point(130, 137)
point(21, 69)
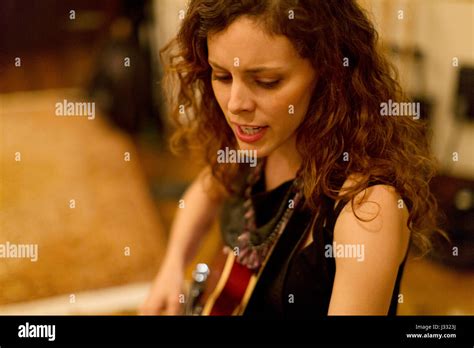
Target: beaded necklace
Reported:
point(250, 254)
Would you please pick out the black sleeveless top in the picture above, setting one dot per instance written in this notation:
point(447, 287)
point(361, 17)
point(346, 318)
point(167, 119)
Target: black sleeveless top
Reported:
point(296, 283)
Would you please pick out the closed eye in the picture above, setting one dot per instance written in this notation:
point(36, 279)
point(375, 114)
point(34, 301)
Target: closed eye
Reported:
point(260, 83)
point(268, 84)
point(223, 78)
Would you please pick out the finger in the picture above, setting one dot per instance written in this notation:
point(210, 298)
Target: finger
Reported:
point(173, 308)
point(152, 307)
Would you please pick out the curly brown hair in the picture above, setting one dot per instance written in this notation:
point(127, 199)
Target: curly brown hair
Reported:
point(343, 116)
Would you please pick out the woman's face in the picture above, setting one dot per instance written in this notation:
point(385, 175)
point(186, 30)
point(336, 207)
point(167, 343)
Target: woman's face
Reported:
point(261, 84)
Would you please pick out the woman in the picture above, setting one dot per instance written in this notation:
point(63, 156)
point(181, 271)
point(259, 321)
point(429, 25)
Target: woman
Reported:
point(340, 190)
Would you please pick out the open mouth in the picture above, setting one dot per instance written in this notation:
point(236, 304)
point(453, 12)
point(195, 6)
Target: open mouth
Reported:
point(250, 130)
point(250, 134)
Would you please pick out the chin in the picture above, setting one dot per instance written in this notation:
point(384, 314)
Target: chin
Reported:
point(263, 150)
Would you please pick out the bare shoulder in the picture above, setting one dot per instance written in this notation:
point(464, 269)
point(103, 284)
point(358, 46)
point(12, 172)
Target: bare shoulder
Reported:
point(375, 227)
point(378, 216)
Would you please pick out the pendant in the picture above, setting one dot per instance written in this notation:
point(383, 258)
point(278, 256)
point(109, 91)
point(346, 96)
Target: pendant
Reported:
point(248, 255)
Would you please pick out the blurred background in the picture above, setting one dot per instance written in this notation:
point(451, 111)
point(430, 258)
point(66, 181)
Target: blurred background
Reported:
point(98, 195)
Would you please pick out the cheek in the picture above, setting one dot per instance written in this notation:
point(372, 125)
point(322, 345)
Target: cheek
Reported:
point(299, 100)
point(286, 112)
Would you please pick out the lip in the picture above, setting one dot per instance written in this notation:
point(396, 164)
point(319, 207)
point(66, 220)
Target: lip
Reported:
point(249, 138)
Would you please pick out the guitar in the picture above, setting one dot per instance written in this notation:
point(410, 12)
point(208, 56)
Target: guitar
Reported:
point(220, 293)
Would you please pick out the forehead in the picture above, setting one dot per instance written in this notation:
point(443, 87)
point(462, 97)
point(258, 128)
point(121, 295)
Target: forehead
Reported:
point(247, 40)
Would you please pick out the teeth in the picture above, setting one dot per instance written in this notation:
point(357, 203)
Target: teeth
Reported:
point(250, 130)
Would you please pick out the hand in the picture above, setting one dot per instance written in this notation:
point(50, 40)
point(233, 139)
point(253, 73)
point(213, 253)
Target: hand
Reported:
point(163, 298)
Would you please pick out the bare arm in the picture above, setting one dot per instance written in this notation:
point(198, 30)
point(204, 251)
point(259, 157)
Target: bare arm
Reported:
point(200, 204)
point(364, 285)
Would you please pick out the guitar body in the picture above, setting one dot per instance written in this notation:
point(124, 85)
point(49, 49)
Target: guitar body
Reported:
point(227, 289)
point(232, 291)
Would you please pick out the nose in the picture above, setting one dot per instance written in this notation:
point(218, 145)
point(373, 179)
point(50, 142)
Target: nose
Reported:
point(240, 99)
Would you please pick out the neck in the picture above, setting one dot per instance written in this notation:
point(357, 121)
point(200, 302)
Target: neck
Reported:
point(282, 164)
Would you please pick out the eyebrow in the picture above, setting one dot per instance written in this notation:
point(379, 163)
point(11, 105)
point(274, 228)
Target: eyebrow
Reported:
point(251, 71)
